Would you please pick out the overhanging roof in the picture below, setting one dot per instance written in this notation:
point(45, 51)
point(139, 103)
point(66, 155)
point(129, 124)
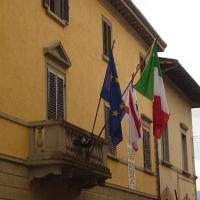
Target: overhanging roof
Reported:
point(181, 78)
point(138, 22)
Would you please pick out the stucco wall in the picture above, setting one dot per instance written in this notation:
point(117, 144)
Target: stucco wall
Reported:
point(26, 30)
point(173, 177)
point(14, 139)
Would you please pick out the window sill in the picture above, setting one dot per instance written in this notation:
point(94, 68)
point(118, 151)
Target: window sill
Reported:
point(148, 171)
point(105, 58)
point(166, 163)
point(56, 18)
point(113, 157)
point(186, 173)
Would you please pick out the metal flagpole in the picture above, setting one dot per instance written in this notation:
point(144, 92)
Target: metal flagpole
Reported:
point(97, 110)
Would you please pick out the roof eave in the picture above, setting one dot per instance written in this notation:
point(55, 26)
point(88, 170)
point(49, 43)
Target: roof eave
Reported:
point(182, 79)
point(138, 22)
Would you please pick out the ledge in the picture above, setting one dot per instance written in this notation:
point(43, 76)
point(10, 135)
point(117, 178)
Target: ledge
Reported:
point(148, 171)
point(166, 163)
point(61, 22)
point(113, 157)
point(125, 189)
point(186, 173)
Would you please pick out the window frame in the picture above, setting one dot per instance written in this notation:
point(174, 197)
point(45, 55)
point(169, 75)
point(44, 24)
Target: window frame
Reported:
point(58, 17)
point(108, 24)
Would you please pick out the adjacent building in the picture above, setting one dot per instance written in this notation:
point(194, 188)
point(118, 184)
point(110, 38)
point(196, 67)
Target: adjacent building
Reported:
point(53, 58)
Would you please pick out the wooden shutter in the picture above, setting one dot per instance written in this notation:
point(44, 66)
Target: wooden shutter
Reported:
point(184, 152)
point(65, 10)
point(143, 63)
point(147, 149)
point(56, 96)
point(51, 95)
point(165, 145)
point(110, 147)
point(106, 38)
point(46, 3)
point(109, 39)
point(60, 97)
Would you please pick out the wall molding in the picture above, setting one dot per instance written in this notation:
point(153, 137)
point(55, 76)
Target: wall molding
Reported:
point(13, 119)
point(124, 189)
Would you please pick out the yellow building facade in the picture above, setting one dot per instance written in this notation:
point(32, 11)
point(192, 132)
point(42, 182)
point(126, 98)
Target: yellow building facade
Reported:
point(52, 65)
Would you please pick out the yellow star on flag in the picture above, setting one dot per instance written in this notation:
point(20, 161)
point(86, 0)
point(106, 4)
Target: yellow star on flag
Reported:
point(114, 113)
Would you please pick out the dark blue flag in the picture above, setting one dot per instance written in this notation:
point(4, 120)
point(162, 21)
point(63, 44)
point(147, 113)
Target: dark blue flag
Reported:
point(111, 93)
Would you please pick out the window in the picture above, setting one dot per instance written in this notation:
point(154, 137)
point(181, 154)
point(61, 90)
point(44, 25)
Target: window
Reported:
point(107, 32)
point(56, 95)
point(58, 9)
point(111, 148)
point(146, 123)
point(57, 62)
point(165, 145)
point(147, 148)
point(142, 62)
point(184, 152)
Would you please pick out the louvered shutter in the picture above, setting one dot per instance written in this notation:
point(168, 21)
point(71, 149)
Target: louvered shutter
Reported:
point(65, 10)
point(110, 147)
point(46, 3)
point(109, 39)
point(147, 149)
point(60, 97)
point(51, 95)
point(105, 51)
point(106, 38)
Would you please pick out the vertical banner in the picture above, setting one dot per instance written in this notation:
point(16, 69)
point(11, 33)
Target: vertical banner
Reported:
point(131, 168)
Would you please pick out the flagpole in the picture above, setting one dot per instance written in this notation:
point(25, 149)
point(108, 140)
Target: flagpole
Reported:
point(133, 76)
point(97, 110)
point(138, 68)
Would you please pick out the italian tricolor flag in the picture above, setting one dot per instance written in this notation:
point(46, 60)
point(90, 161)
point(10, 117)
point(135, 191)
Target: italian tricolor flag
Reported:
point(151, 86)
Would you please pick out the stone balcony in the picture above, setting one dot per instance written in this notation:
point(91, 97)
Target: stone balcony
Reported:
point(59, 151)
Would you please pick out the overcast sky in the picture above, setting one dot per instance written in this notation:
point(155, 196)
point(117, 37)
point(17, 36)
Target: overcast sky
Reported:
point(177, 22)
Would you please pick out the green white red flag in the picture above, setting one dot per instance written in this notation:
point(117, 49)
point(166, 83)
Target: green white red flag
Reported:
point(151, 86)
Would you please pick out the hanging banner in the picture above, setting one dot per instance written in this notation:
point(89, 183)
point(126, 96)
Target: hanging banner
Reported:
point(131, 168)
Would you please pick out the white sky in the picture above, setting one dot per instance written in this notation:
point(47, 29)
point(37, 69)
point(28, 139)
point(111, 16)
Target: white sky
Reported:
point(177, 22)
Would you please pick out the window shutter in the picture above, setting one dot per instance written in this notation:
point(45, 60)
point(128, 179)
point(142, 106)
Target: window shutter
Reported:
point(106, 38)
point(110, 147)
point(105, 51)
point(51, 95)
point(109, 39)
point(165, 145)
point(46, 3)
point(65, 10)
point(147, 149)
point(143, 63)
point(60, 98)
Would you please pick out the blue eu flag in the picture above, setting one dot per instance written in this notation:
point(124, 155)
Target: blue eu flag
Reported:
point(111, 93)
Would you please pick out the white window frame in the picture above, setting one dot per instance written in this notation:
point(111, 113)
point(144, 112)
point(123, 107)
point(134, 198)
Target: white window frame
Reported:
point(57, 15)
